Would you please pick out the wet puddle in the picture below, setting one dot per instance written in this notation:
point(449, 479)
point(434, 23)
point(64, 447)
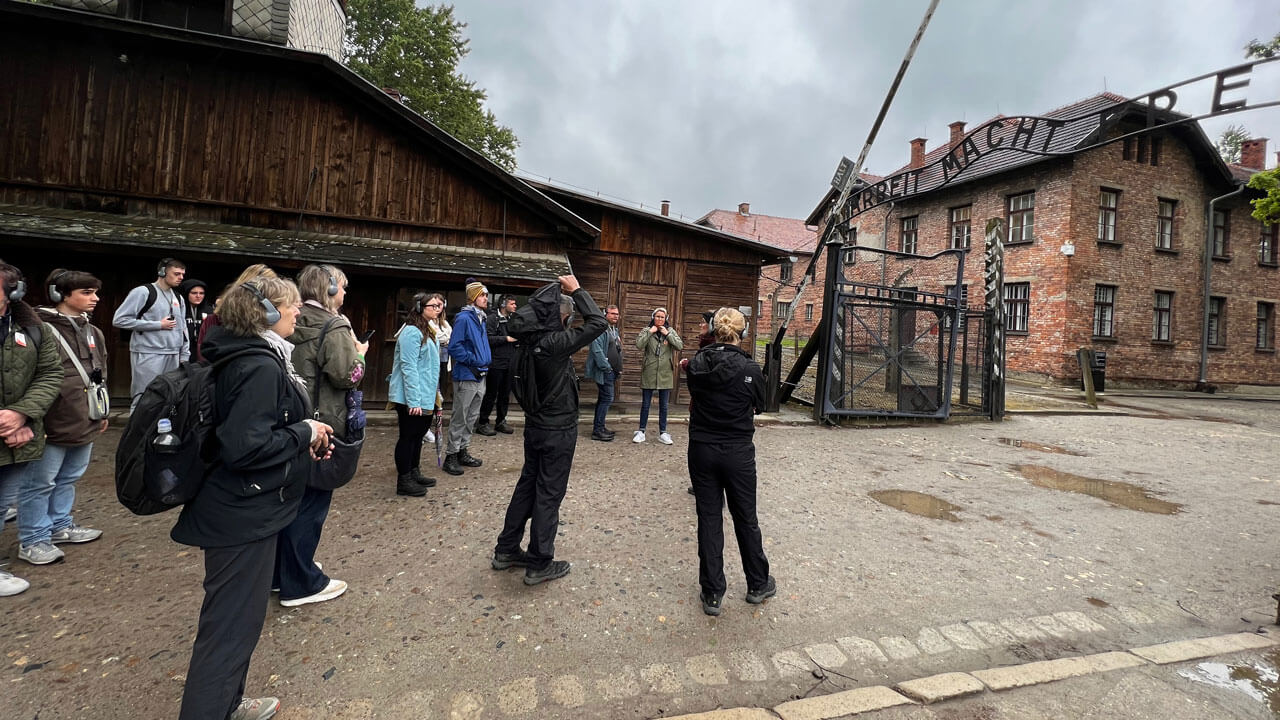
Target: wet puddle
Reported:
point(1038, 447)
point(1126, 495)
point(1258, 679)
point(917, 503)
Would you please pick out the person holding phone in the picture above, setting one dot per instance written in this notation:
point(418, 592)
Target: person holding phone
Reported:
point(413, 387)
point(328, 357)
point(659, 343)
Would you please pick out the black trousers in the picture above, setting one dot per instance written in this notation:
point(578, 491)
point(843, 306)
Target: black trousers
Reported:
point(548, 457)
point(719, 472)
point(237, 585)
point(296, 573)
point(409, 445)
point(497, 391)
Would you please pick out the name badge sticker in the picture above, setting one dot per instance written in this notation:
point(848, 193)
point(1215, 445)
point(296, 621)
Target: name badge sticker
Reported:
point(92, 343)
point(20, 339)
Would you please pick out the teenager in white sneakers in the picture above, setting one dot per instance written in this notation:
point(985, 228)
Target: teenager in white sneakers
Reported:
point(659, 343)
point(49, 490)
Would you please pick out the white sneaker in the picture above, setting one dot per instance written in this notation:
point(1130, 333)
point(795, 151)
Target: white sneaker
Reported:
point(431, 437)
point(41, 553)
point(11, 584)
point(638, 437)
point(75, 534)
point(256, 709)
point(330, 591)
point(665, 438)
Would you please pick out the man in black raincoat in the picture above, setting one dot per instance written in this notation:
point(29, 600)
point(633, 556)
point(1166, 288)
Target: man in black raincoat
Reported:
point(550, 427)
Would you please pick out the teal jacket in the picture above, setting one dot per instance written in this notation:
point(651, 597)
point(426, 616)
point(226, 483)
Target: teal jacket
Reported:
point(415, 372)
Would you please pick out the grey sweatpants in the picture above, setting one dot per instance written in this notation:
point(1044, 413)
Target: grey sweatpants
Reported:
point(467, 396)
point(147, 367)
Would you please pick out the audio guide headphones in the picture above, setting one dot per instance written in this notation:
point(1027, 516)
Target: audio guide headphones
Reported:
point(19, 289)
point(333, 280)
point(273, 312)
point(54, 295)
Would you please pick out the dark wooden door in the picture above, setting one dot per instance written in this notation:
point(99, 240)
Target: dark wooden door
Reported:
point(636, 304)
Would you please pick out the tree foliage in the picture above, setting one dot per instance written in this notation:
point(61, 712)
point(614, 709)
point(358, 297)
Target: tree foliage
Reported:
point(1229, 142)
point(1263, 51)
point(416, 51)
point(1266, 209)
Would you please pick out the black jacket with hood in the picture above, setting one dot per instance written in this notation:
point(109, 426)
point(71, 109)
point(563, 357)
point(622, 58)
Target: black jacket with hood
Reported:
point(537, 326)
point(264, 458)
point(726, 389)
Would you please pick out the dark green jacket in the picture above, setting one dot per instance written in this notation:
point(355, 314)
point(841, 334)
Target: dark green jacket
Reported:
point(30, 377)
point(337, 365)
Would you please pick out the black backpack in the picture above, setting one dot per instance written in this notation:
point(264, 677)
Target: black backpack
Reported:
point(149, 482)
point(524, 383)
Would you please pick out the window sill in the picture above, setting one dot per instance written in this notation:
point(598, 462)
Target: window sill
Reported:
point(1218, 348)
point(1017, 333)
point(1110, 243)
point(1267, 351)
point(1269, 265)
point(1163, 343)
point(1103, 339)
point(1009, 243)
point(1168, 251)
point(1221, 258)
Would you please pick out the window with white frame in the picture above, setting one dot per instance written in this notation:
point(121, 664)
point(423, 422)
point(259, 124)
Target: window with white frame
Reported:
point(1108, 201)
point(960, 227)
point(1267, 245)
point(1164, 224)
point(1266, 335)
point(1017, 306)
point(907, 234)
point(1022, 217)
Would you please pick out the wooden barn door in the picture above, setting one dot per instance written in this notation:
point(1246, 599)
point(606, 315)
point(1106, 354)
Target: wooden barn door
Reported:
point(636, 302)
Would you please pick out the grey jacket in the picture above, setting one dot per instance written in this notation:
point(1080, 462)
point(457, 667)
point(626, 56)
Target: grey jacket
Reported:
point(147, 336)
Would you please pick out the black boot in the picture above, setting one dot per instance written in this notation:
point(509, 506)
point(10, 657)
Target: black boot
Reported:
point(423, 481)
point(405, 485)
point(464, 458)
point(451, 465)
point(485, 429)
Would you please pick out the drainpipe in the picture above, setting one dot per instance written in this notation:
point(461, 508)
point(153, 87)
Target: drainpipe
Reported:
point(1202, 382)
point(884, 259)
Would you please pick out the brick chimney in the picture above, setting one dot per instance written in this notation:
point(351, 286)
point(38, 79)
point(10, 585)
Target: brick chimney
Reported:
point(957, 132)
point(666, 208)
point(1253, 153)
point(917, 152)
point(744, 209)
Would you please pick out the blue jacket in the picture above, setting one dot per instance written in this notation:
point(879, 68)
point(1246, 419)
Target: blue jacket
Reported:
point(598, 358)
point(415, 372)
point(469, 345)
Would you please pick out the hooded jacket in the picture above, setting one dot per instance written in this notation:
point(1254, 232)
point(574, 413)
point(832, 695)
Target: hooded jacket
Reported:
point(263, 460)
point(469, 345)
point(67, 422)
point(658, 366)
point(30, 377)
point(538, 327)
point(195, 313)
point(726, 388)
point(146, 335)
point(330, 369)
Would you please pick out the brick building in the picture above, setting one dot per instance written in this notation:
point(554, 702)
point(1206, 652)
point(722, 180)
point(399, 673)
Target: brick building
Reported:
point(1105, 247)
point(778, 283)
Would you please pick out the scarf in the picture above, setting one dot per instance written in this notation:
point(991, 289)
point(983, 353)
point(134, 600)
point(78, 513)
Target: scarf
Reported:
point(284, 349)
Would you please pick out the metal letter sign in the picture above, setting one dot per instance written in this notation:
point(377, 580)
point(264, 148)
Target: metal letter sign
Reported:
point(842, 173)
point(1035, 136)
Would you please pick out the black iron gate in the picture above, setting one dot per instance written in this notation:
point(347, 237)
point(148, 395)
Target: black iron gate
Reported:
point(891, 348)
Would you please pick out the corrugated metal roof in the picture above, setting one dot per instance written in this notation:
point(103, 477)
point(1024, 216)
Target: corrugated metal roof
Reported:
point(259, 243)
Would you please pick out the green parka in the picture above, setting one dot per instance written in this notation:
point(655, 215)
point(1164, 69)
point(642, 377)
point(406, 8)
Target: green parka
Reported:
point(658, 368)
point(336, 363)
point(30, 377)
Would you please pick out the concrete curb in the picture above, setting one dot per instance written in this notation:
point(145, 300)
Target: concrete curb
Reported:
point(954, 685)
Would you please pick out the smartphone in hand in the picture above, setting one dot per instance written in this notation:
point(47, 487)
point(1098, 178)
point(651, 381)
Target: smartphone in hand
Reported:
point(365, 337)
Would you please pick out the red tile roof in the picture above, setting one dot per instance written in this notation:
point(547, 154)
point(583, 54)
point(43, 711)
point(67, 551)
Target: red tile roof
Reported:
point(786, 233)
point(1240, 172)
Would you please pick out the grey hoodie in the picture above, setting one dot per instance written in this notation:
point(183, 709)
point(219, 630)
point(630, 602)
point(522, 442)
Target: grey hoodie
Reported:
point(148, 337)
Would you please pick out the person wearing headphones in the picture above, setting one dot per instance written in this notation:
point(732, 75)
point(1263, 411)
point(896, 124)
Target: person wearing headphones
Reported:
point(32, 376)
point(727, 388)
point(414, 389)
point(266, 441)
point(154, 315)
point(659, 343)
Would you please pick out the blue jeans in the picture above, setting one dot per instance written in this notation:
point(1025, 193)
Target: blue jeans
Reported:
point(49, 491)
point(11, 479)
point(296, 573)
point(604, 399)
point(646, 397)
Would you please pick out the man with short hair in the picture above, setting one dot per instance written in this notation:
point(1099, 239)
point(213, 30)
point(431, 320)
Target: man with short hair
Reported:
point(469, 348)
point(550, 428)
point(32, 374)
point(497, 386)
point(155, 317)
point(604, 364)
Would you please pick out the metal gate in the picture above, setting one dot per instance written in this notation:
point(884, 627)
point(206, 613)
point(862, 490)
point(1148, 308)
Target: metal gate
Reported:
point(890, 351)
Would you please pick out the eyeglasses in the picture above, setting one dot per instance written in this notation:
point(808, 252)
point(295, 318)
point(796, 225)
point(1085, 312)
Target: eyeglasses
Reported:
point(435, 305)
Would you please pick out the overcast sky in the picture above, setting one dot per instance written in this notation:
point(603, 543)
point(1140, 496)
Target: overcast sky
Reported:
point(712, 103)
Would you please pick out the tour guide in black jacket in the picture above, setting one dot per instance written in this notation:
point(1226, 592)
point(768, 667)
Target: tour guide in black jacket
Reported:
point(726, 390)
point(550, 427)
